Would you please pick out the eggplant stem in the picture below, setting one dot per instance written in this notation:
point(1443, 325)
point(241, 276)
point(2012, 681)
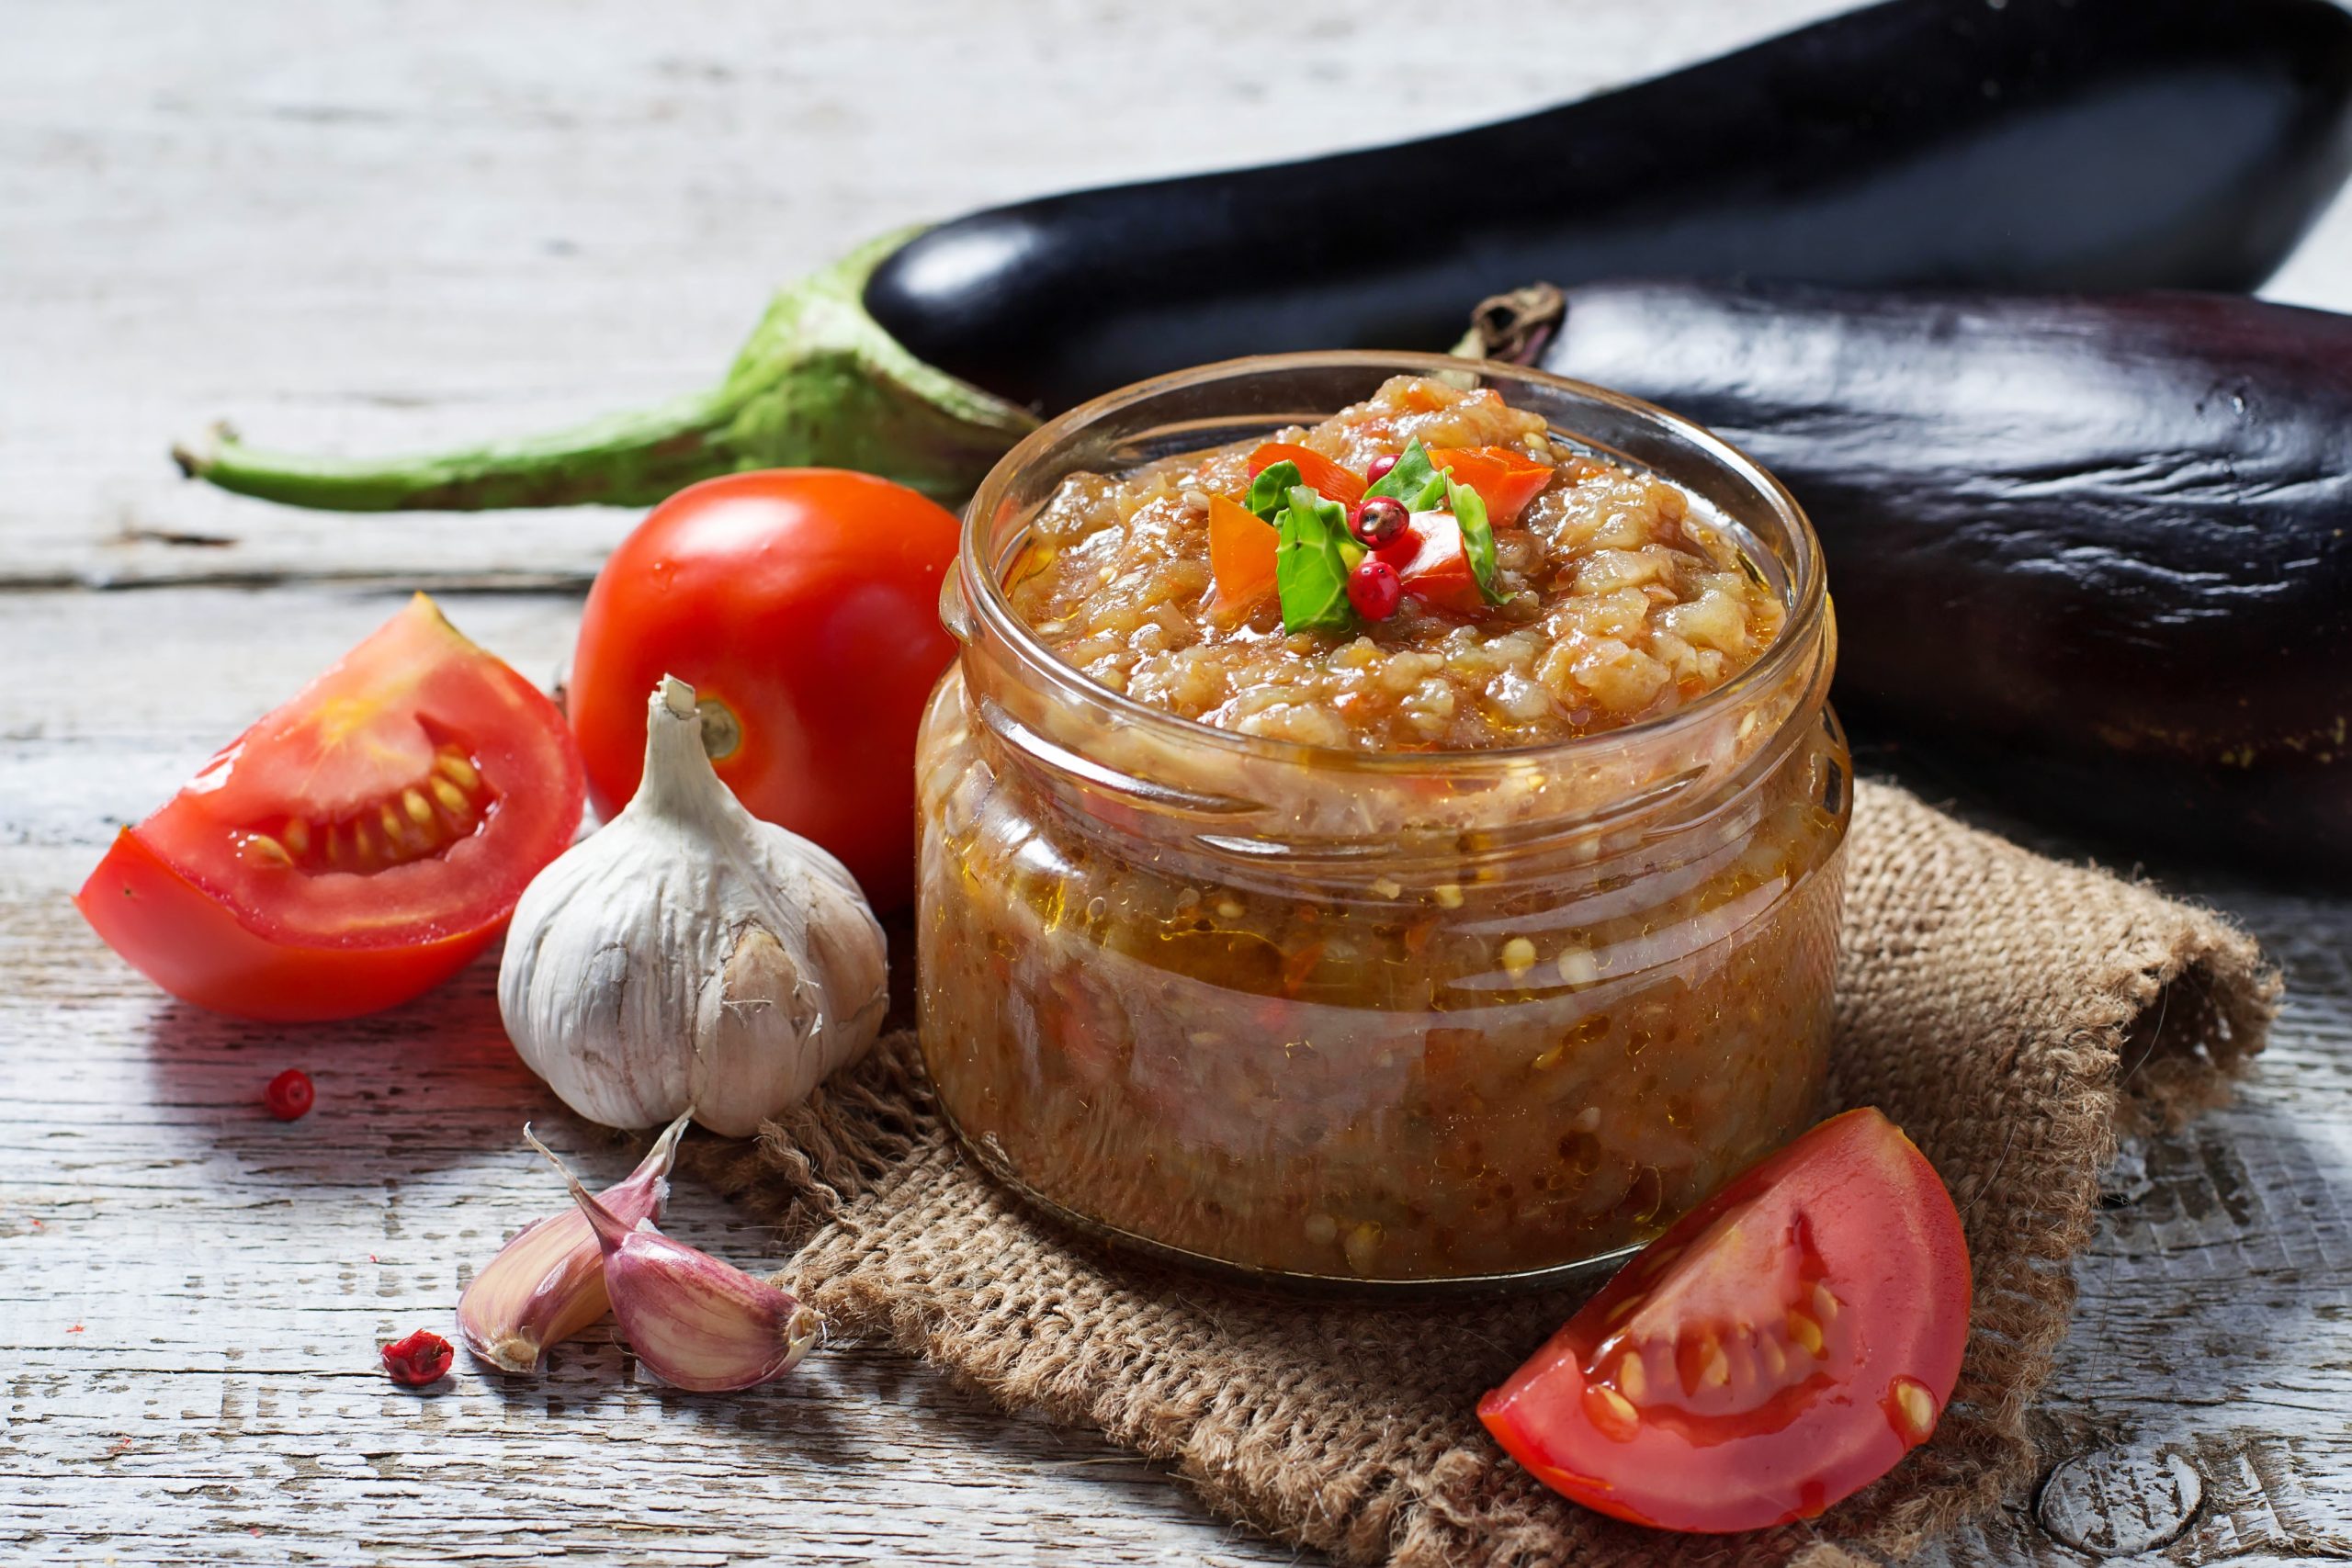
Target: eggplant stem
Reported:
point(1514, 328)
point(818, 384)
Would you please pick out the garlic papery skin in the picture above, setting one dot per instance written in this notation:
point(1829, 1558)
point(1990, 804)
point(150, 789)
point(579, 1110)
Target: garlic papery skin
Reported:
point(690, 955)
point(547, 1283)
point(691, 1320)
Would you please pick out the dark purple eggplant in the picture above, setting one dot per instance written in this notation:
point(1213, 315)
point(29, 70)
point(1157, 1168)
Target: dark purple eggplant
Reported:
point(2039, 143)
point(2095, 550)
point(2034, 144)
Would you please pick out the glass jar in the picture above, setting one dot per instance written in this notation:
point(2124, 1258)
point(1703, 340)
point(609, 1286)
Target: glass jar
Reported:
point(1464, 1016)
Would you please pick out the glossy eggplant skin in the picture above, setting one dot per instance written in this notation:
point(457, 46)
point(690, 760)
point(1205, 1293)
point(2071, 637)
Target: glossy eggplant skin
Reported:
point(2095, 550)
point(2089, 144)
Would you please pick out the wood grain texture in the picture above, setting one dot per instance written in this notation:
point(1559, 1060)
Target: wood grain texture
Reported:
point(392, 224)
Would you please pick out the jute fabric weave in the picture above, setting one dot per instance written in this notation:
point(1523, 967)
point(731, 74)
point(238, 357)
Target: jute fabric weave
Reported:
point(2014, 1015)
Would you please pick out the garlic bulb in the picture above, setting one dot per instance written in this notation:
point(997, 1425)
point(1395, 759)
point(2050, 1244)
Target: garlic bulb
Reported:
point(688, 955)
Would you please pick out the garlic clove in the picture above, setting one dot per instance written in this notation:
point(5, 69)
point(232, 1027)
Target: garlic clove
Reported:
point(547, 1283)
point(695, 1322)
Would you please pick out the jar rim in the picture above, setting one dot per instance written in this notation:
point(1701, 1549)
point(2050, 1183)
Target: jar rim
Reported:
point(984, 593)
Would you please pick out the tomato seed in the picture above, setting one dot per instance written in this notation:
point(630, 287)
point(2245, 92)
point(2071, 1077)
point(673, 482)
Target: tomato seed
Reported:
point(1611, 1413)
point(1911, 1410)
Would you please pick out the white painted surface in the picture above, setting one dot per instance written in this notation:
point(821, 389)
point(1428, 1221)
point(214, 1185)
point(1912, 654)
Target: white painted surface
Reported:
point(384, 225)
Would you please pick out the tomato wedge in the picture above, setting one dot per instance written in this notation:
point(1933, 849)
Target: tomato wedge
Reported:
point(1783, 1345)
point(357, 845)
point(1438, 571)
point(1330, 482)
point(1242, 556)
point(1506, 480)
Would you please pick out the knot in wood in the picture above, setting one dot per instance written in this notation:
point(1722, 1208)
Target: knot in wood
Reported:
point(2114, 1502)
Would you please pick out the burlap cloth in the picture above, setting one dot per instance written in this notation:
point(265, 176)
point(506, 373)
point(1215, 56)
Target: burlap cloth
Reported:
point(2012, 1014)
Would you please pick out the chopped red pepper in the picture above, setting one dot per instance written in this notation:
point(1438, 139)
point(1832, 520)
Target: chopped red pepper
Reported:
point(1330, 482)
point(1439, 572)
point(1506, 480)
point(1241, 556)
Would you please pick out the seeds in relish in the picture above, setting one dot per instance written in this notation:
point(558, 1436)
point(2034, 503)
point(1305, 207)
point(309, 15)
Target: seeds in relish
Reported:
point(1374, 589)
point(1378, 469)
point(1378, 521)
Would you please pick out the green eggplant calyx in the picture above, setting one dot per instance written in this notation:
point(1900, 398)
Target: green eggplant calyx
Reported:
point(817, 385)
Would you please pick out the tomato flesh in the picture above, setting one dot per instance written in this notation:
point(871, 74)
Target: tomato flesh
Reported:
point(358, 844)
point(1781, 1347)
point(1438, 571)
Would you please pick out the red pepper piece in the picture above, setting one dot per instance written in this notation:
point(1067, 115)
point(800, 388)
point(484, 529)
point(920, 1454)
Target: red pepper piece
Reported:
point(1330, 482)
point(1506, 480)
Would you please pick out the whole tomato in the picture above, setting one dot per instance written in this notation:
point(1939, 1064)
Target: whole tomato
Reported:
point(802, 605)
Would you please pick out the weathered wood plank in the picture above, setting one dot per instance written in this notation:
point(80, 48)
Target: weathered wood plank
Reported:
point(401, 228)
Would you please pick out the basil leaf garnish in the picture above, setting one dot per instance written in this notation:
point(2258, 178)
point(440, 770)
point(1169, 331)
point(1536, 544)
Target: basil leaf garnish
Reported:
point(1270, 492)
point(1469, 510)
point(1310, 572)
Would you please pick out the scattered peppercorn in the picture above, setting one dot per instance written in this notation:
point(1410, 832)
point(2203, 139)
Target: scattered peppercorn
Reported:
point(290, 1094)
point(1378, 469)
point(1378, 521)
point(1374, 589)
point(422, 1358)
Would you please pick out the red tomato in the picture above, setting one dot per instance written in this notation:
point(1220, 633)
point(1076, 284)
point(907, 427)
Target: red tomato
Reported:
point(1330, 480)
point(802, 605)
point(1438, 571)
point(1779, 1348)
point(354, 847)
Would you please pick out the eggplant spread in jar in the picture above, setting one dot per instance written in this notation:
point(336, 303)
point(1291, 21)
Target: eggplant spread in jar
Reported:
point(1466, 1000)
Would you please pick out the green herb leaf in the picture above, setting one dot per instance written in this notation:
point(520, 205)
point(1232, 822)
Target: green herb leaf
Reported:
point(1407, 480)
point(1413, 481)
point(1469, 510)
point(1310, 571)
point(1270, 492)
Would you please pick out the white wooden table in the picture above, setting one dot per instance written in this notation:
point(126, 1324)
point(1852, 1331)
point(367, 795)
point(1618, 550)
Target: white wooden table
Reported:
point(387, 225)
